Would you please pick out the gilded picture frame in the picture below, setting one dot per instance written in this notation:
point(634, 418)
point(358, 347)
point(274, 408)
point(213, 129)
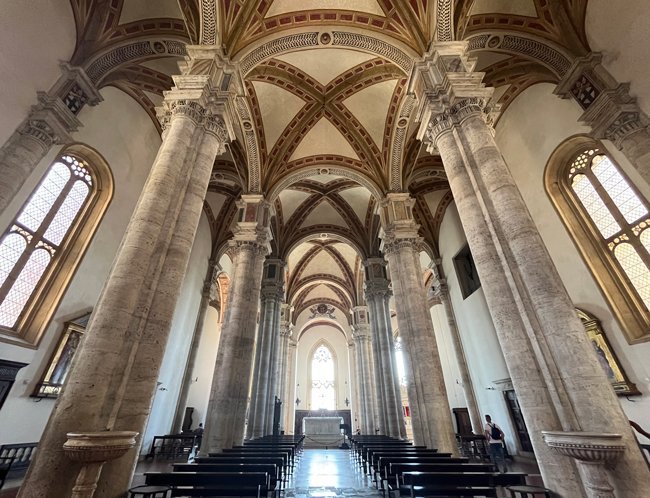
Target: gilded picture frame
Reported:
point(58, 367)
point(607, 357)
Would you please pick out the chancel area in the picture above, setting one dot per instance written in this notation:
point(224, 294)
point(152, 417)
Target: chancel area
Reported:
point(282, 227)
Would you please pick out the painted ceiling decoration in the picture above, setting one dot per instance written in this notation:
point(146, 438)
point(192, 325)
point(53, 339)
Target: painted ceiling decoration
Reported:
point(326, 85)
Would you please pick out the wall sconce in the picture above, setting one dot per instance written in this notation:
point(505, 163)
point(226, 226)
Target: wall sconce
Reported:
point(347, 402)
point(297, 402)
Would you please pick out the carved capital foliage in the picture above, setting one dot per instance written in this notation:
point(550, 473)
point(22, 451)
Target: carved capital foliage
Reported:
point(40, 131)
point(453, 115)
point(361, 333)
point(377, 288)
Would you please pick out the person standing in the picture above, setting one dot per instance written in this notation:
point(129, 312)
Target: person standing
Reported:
point(494, 436)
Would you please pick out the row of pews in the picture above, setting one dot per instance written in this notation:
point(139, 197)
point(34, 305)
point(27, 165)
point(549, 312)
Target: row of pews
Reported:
point(398, 468)
point(258, 468)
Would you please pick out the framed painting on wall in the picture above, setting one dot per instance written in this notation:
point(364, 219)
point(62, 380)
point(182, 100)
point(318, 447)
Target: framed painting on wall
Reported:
point(61, 360)
point(607, 357)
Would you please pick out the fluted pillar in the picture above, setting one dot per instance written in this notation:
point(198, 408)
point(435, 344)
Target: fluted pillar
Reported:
point(208, 294)
point(363, 347)
point(378, 294)
point(441, 291)
point(539, 331)
point(354, 387)
point(430, 412)
point(609, 109)
point(113, 380)
point(50, 122)
point(231, 381)
point(262, 388)
point(362, 318)
point(273, 389)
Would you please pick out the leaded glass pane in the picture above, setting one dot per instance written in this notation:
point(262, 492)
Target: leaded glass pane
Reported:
point(618, 189)
point(22, 289)
point(323, 393)
point(595, 206)
point(10, 250)
point(635, 269)
point(67, 212)
point(41, 202)
point(399, 360)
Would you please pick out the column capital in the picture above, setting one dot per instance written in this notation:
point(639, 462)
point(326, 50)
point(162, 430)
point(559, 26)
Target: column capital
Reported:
point(399, 229)
point(443, 78)
point(210, 285)
point(361, 332)
point(206, 92)
point(360, 316)
point(609, 109)
point(252, 225)
point(377, 287)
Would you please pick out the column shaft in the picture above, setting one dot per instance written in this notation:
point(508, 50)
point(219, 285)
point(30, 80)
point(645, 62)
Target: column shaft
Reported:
point(112, 384)
point(290, 382)
point(430, 412)
point(274, 368)
point(231, 382)
point(520, 279)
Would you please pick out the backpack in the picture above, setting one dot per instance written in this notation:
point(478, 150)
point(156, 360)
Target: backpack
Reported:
point(496, 433)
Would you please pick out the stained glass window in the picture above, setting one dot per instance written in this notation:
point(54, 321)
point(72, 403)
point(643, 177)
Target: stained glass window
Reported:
point(33, 240)
point(618, 213)
point(323, 390)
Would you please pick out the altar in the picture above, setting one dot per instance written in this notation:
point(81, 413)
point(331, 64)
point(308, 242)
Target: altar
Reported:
point(322, 432)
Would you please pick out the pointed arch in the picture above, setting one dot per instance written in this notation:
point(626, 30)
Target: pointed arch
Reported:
point(608, 220)
point(323, 366)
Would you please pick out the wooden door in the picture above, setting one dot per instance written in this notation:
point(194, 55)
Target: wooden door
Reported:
point(518, 419)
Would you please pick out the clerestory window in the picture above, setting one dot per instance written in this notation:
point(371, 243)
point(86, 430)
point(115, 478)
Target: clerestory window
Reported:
point(42, 246)
point(609, 220)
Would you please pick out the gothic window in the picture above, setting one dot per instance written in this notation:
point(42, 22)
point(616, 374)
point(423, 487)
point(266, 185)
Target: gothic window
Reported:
point(608, 219)
point(323, 390)
point(41, 247)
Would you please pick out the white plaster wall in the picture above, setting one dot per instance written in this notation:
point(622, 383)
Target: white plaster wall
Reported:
point(198, 394)
point(129, 146)
point(480, 343)
point(47, 26)
point(180, 338)
point(447, 355)
point(526, 145)
point(338, 343)
point(620, 30)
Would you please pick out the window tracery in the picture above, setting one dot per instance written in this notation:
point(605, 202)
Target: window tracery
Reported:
point(42, 245)
point(323, 386)
point(608, 220)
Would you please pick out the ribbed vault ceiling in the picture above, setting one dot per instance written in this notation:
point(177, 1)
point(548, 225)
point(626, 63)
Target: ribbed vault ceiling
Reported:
point(326, 116)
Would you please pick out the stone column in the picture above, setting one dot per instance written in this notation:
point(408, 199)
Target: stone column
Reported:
point(354, 387)
point(377, 294)
point(231, 382)
point(430, 412)
point(113, 381)
point(609, 109)
point(539, 330)
point(275, 353)
point(290, 383)
point(50, 121)
point(262, 389)
point(441, 291)
point(286, 330)
point(208, 295)
point(363, 347)
point(362, 318)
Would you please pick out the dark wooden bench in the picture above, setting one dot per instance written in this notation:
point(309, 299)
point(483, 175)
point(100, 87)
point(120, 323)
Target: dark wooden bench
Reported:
point(420, 484)
point(393, 472)
point(172, 445)
point(274, 471)
point(259, 452)
point(21, 453)
point(375, 454)
point(212, 484)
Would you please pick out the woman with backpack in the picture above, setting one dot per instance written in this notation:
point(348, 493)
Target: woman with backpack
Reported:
point(494, 436)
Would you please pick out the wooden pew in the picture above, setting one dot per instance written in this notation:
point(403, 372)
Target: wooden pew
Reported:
point(374, 454)
point(259, 452)
point(274, 471)
point(394, 471)
point(382, 465)
point(420, 484)
point(228, 458)
point(212, 484)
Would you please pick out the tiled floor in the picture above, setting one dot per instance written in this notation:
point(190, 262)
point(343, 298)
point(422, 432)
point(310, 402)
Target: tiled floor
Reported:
point(328, 473)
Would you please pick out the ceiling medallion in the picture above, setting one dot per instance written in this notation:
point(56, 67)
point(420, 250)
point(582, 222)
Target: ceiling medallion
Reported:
point(325, 310)
point(325, 38)
point(247, 125)
point(402, 123)
point(323, 171)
